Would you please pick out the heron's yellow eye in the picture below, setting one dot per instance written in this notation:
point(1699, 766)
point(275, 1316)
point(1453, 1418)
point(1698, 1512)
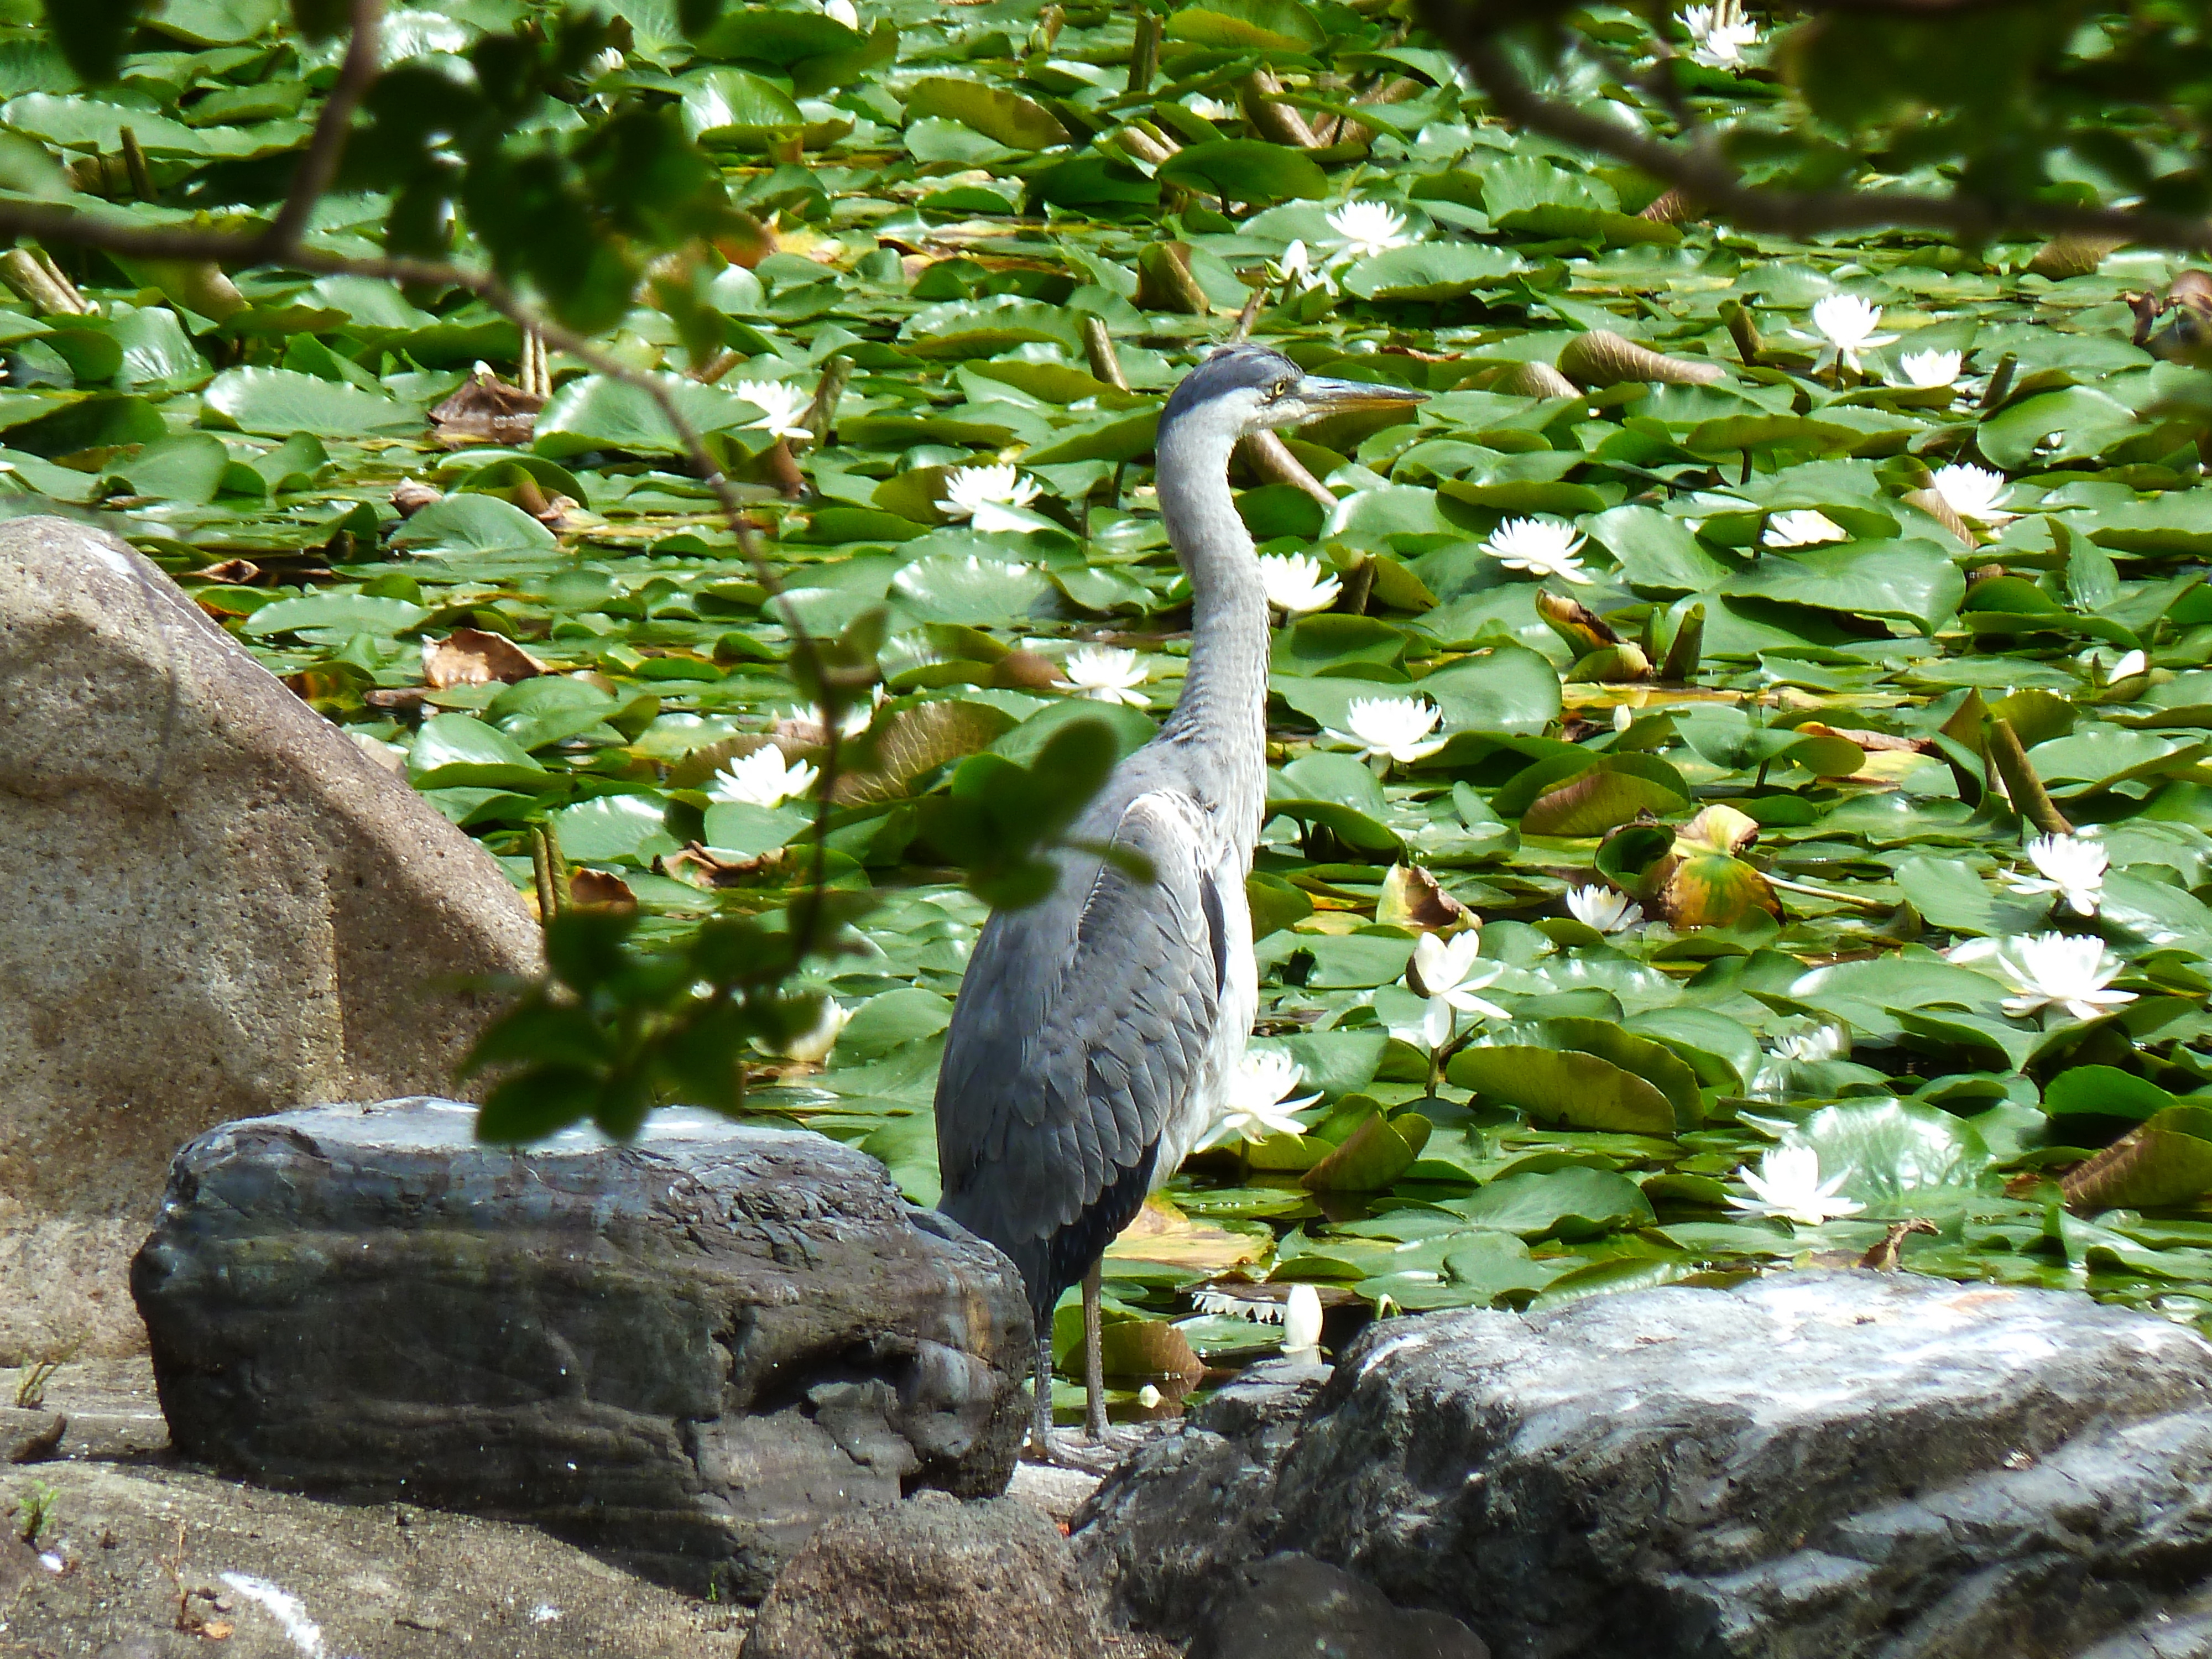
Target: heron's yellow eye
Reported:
point(1281, 388)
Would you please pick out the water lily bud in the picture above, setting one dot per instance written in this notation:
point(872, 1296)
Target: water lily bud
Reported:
point(410, 495)
point(1600, 358)
point(1302, 1324)
point(1535, 380)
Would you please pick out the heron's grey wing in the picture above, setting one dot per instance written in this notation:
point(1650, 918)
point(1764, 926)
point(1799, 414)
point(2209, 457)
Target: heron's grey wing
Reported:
point(1080, 1028)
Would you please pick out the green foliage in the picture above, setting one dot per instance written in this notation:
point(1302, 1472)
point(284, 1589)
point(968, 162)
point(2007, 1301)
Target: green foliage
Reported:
point(620, 1027)
point(999, 818)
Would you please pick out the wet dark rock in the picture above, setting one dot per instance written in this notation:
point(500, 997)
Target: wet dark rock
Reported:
point(685, 1352)
point(931, 1579)
point(1166, 1524)
point(1293, 1604)
point(1849, 1465)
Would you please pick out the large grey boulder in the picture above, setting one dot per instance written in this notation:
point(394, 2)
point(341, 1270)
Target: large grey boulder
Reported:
point(686, 1352)
point(216, 906)
point(931, 1579)
point(1846, 1465)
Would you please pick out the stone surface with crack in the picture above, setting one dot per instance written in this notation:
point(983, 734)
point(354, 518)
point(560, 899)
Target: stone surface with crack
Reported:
point(1856, 1465)
point(685, 1351)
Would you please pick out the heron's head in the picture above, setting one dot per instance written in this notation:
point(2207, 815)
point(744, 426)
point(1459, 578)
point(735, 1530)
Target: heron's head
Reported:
point(1245, 389)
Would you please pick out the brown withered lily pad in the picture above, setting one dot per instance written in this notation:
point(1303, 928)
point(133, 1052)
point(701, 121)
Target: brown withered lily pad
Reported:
point(486, 409)
point(599, 890)
point(698, 865)
point(469, 656)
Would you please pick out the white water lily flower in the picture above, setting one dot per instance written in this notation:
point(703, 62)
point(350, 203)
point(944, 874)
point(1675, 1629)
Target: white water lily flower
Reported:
point(1542, 547)
point(1296, 584)
point(1222, 1304)
point(1974, 493)
point(850, 724)
point(1813, 1048)
point(1788, 1184)
point(1368, 228)
point(1106, 673)
point(813, 1044)
point(1386, 729)
point(2132, 664)
point(983, 493)
point(1802, 527)
point(1926, 370)
point(762, 778)
point(781, 404)
point(1719, 34)
point(1302, 1324)
point(1257, 1105)
point(1449, 973)
point(2070, 869)
point(603, 63)
point(1209, 109)
point(841, 11)
point(1295, 271)
point(2061, 970)
point(1968, 951)
point(1846, 324)
point(1602, 907)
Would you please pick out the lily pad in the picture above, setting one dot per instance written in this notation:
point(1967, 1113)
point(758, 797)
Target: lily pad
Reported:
point(279, 402)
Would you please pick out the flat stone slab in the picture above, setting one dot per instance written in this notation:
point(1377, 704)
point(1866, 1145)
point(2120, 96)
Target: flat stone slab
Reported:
point(685, 1352)
point(149, 1562)
point(1847, 1465)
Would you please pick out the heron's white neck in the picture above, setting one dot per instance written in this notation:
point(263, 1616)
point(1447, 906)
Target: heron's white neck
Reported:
point(1221, 712)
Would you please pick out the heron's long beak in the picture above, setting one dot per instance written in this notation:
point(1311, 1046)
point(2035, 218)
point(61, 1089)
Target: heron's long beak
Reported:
point(1335, 397)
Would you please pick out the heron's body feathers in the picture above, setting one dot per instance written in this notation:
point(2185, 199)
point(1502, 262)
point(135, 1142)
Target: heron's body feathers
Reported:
point(1098, 1029)
point(1097, 1032)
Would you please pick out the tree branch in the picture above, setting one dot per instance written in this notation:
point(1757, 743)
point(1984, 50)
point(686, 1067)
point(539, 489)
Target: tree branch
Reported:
point(1699, 172)
point(327, 147)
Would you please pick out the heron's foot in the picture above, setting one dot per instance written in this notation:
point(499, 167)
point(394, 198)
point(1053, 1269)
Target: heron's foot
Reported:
point(1071, 1450)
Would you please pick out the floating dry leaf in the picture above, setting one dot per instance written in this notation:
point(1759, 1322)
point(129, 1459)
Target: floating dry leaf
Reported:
point(470, 656)
point(1413, 897)
point(600, 889)
point(486, 409)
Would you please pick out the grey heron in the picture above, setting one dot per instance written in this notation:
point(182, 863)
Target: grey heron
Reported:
point(1096, 1031)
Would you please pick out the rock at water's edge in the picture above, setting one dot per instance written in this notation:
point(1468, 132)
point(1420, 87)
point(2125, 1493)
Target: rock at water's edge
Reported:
point(931, 1579)
point(685, 1351)
point(219, 907)
point(1293, 1605)
point(1852, 1465)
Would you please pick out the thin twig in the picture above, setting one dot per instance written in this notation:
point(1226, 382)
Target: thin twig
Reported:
point(326, 145)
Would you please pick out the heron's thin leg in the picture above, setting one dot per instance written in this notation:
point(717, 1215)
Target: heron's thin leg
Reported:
point(1094, 1357)
point(1041, 1420)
